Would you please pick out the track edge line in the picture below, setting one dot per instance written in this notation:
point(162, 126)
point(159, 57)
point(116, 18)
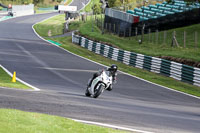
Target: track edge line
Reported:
point(10, 74)
point(107, 66)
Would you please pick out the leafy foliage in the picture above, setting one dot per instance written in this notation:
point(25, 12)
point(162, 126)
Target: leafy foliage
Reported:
point(97, 8)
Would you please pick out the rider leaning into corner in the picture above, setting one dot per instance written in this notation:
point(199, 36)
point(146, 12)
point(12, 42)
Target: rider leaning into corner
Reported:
point(112, 71)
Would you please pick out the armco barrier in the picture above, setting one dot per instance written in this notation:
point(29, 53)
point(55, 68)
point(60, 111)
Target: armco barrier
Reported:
point(168, 68)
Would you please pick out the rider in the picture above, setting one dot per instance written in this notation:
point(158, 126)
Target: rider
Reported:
point(112, 70)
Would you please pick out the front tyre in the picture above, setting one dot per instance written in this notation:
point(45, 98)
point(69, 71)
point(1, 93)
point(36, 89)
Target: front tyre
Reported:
point(87, 93)
point(109, 88)
point(98, 90)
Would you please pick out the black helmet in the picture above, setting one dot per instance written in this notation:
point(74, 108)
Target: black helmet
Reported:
point(113, 68)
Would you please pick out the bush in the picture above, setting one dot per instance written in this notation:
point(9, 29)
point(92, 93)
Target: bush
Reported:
point(97, 8)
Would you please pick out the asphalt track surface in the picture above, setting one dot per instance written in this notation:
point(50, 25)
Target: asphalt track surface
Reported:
point(62, 78)
point(79, 3)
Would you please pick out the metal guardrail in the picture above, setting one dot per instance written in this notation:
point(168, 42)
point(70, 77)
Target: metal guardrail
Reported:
point(165, 67)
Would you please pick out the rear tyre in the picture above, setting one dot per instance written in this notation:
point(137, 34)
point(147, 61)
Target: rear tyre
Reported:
point(98, 90)
point(87, 93)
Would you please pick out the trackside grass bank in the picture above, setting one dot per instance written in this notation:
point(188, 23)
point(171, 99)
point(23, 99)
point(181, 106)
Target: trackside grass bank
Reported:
point(53, 25)
point(15, 121)
point(155, 78)
point(5, 81)
point(146, 48)
point(67, 2)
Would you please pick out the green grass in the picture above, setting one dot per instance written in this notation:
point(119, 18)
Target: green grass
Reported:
point(5, 81)
point(55, 24)
point(155, 78)
point(88, 8)
point(74, 25)
point(15, 121)
point(151, 49)
point(42, 11)
point(68, 1)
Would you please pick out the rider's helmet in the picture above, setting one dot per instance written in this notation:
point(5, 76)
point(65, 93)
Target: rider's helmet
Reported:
point(113, 69)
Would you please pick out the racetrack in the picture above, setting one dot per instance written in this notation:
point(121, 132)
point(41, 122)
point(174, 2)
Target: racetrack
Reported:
point(62, 78)
point(79, 3)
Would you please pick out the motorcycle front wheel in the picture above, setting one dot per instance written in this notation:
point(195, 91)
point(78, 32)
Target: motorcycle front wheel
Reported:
point(98, 90)
point(87, 93)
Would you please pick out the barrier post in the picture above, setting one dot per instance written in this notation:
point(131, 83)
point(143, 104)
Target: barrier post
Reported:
point(114, 28)
point(184, 40)
point(136, 32)
point(129, 33)
point(149, 35)
point(196, 35)
point(157, 34)
point(119, 30)
point(102, 26)
point(110, 27)
point(152, 40)
point(173, 34)
point(174, 41)
point(164, 40)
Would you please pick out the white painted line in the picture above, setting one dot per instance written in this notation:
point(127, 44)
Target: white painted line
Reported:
point(85, 5)
point(137, 77)
point(112, 126)
point(6, 88)
point(9, 73)
point(41, 22)
point(119, 71)
point(162, 86)
point(107, 125)
point(70, 2)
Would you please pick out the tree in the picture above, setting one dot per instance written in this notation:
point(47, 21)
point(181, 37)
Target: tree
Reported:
point(97, 8)
point(111, 3)
point(37, 1)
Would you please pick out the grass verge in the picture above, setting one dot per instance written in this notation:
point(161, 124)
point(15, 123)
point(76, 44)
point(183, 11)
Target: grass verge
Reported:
point(54, 24)
point(5, 81)
point(148, 48)
point(68, 2)
point(15, 121)
point(88, 8)
point(155, 78)
point(42, 11)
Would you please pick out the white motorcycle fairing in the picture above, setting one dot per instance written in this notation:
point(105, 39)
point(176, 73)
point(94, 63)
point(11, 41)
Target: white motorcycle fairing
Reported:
point(103, 81)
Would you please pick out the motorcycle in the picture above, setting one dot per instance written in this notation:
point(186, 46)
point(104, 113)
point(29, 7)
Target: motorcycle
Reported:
point(99, 84)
